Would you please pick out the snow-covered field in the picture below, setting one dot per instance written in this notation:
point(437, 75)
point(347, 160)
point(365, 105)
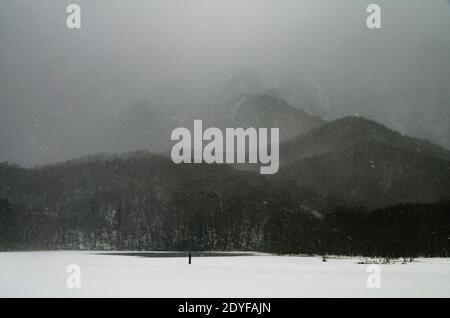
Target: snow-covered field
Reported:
point(43, 274)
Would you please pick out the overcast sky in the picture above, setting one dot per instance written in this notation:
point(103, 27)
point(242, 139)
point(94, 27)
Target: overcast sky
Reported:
point(56, 84)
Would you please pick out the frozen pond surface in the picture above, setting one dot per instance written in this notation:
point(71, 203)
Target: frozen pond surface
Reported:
point(167, 274)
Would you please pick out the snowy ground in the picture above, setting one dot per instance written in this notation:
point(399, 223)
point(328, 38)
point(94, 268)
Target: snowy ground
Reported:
point(43, 274)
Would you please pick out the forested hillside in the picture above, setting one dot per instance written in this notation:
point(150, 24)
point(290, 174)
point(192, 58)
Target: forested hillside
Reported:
point(145, 202)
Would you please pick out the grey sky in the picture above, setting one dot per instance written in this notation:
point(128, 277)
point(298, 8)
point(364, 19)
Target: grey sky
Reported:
point(56, 84)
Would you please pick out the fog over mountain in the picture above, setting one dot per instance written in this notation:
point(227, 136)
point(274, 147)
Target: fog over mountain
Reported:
point(136, 69)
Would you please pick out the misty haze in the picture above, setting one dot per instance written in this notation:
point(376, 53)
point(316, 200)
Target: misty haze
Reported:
point(136, 70)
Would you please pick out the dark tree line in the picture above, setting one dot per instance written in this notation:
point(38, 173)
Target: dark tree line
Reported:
point(147, 203)
point(8, 226)
point(236, 224)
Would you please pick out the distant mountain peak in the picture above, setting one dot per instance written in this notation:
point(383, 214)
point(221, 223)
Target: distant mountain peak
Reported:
point(364, 125)
point(268, 111)
point(347, 131)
